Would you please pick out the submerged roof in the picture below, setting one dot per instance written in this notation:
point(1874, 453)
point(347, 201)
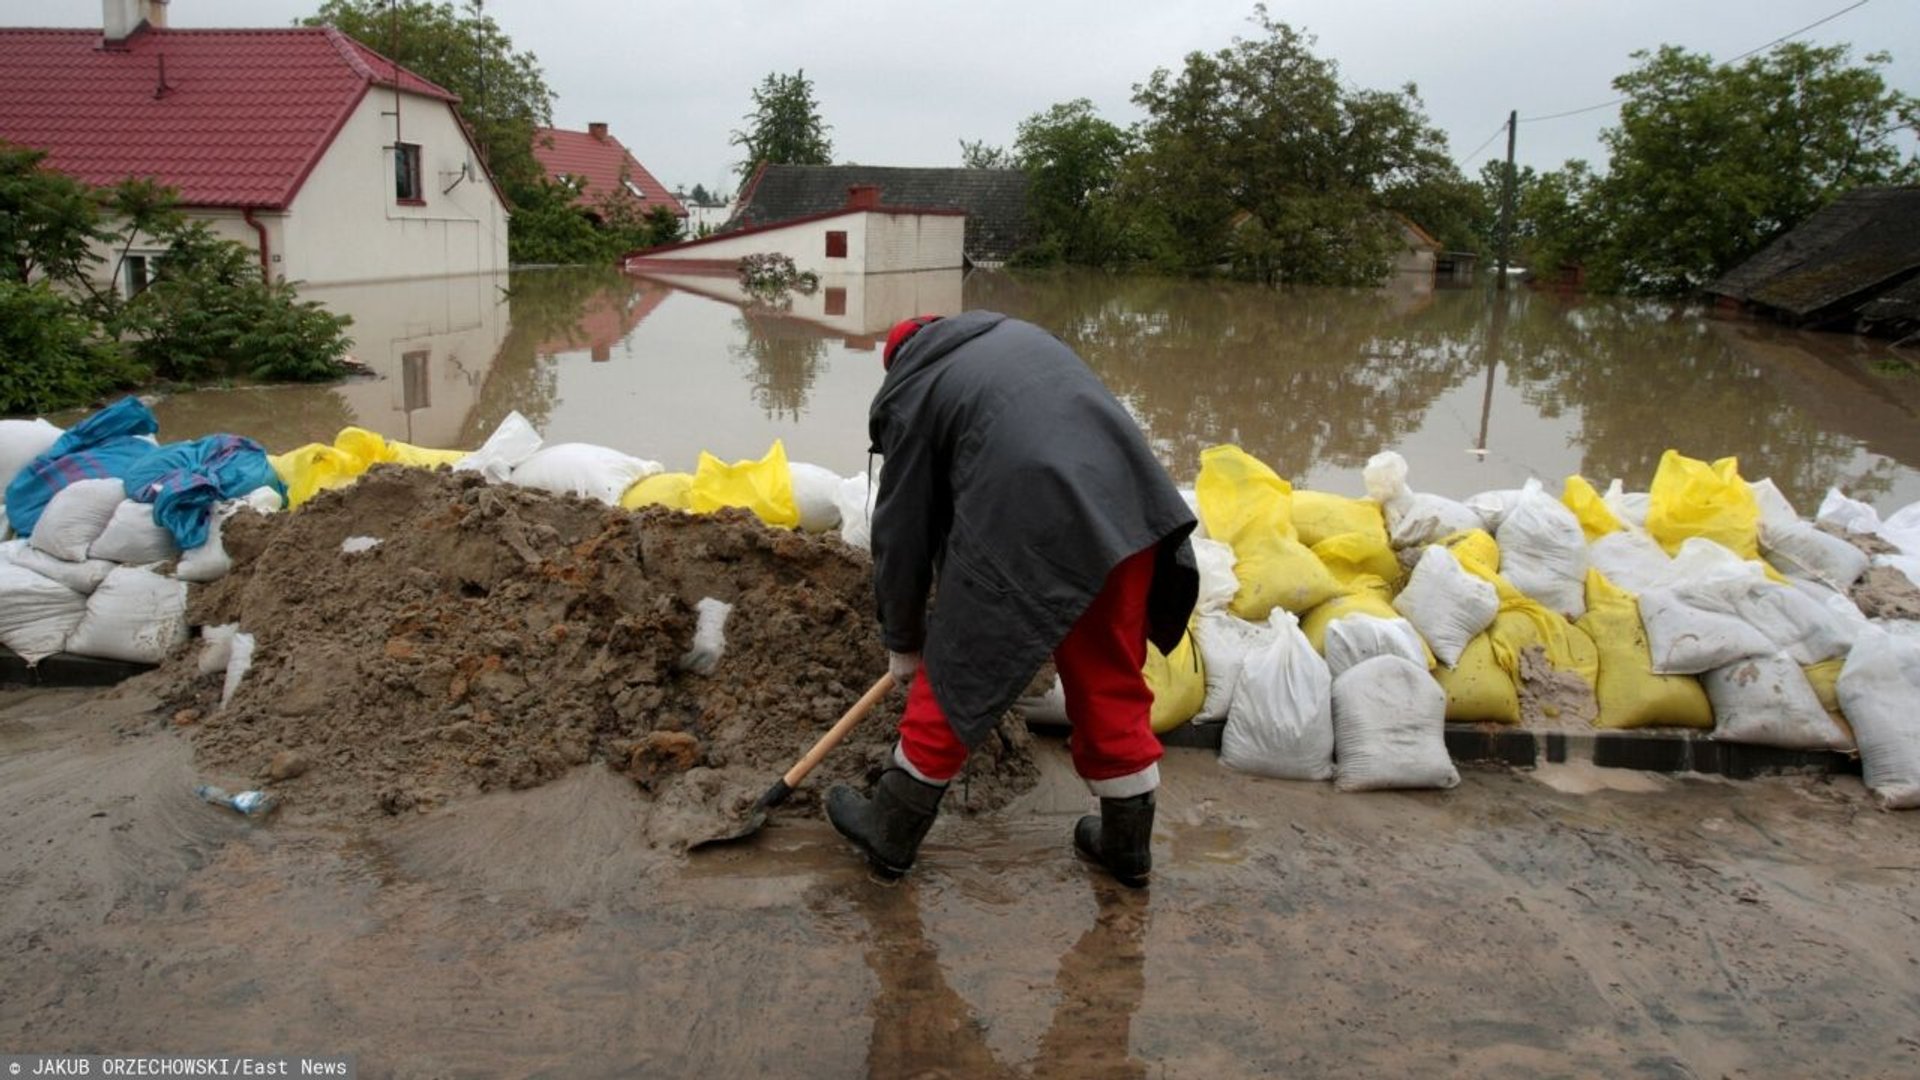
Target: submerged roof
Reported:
point(1861, 242)
point(603, 164)
point(228, 117)
point(995, 200)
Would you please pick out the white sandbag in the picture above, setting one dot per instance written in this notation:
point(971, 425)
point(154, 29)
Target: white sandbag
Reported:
point(135, 615)
point(1902, 529)
point(854, 499)
point(1775, 511)
point(709, 636)
point(1192, 499)
point(216, 647)
point(1448, 605)
point(814, 492)
point(1353, 638)
point(209, 561)
point(512, 443)
point(1389, 726)
point(1218, 582)
point(1847, 515)
point(75, 517)
point(583, 469)
point(1685, 639)
point(1631, 559)
point(1412, 519)
point(238, 665)
point(1767, 701)
point(1837, 605)
point(1878, 689)
point(1906, 564)
point(82, 577)
point(1543, 552)
point(1494, 506)
point(10, 548)
point(1224, 641)
point(1281, 721)
point(37, 614)
point(1631, 507)
point(358, 545)
point(131, 537)
point(263, 500)
point(1714, 609)
point(1049, 707)
point(6, 530)
point(20, 442)
point(1800, 550)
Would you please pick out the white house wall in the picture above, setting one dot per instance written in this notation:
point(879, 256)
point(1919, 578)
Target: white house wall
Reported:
point(346, 225)
point(877, 243)
point(905, 242)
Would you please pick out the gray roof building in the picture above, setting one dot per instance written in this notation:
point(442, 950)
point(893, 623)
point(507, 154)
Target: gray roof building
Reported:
point(1862, 246)
point(995, 200)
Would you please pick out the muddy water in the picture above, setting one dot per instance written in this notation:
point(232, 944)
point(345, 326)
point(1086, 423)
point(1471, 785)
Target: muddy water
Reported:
point(1477, 389)
point(1518, 925)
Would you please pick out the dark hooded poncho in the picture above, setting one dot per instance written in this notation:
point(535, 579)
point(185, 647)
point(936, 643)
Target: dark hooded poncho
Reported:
point(1012, 475)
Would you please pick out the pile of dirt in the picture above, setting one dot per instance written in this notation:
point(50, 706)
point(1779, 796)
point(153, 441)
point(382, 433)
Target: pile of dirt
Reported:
point(497, 638)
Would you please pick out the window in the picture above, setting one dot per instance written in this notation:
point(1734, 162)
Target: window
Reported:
point(406, 174)
point(416, 392)
point(837, 244)
point(836, 301)
point(138, 275)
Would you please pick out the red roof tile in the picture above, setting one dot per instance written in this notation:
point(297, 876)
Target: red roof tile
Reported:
point(599, 162)
point(241, 117)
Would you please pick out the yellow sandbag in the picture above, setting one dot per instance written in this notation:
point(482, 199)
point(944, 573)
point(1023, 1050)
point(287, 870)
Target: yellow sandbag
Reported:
point(672, 490)
point(1358, 554)
point(1824, 677)
point(1478, 691)
point(373, 448)
point(1630, 694)
point(1317, 516)
point(1248, 506)
point(1692, 498)
point(421, 457)
point(764, 487)
point(1477, 546)
point(311, 469)
point(1365, 596)
point(1523, 622)
point(1178, 682)
point(1595, 519)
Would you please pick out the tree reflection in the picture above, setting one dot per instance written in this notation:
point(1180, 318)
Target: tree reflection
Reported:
point(545, 307)
point(783, 358)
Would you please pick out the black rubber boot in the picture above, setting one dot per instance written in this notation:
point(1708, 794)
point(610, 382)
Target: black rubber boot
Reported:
point(1120, 838)
point(889, 824)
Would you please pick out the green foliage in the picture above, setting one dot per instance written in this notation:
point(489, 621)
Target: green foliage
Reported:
point(771, 275)
point(976, 154)
point(51, 355)
point(48, 221)
point(701, 197)
point(558, 231)
point(784, 127)
point(1072, 158)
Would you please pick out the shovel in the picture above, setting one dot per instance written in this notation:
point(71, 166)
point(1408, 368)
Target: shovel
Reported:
point(783, 787)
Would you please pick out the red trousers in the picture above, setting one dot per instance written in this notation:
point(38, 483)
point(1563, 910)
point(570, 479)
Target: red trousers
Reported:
point(1108, 702)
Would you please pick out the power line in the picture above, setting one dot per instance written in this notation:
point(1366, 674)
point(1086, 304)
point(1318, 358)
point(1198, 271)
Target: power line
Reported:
point(1465, 161)
point(1750, 52)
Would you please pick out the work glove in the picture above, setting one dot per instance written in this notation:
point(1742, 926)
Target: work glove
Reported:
point(902, 666)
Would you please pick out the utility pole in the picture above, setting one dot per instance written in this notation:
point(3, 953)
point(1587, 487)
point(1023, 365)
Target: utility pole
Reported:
point(1507, 184)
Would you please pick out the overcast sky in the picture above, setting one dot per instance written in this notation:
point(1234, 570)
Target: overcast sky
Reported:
point(902, 83)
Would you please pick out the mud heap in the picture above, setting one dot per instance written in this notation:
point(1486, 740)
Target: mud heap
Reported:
point(498, 637)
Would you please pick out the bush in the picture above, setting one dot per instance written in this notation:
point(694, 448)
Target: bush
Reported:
point(50, 355)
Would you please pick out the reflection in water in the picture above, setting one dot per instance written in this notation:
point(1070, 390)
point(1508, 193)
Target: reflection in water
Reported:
point(784, 359)
point(921, 1027)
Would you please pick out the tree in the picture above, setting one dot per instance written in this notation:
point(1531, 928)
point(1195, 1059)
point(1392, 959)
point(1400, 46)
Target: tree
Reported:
point(784, 127)
point(701, 197)
point(1710, 163)
point(977, 154)
point(1072, 158)
point(503, 94)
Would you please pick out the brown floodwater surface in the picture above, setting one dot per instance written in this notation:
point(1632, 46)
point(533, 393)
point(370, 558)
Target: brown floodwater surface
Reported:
point(1477, 389)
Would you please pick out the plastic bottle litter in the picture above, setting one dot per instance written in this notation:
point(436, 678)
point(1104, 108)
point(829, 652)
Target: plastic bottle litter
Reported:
point(250, 803)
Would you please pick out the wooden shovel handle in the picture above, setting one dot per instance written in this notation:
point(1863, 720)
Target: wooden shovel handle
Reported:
point(838, 731)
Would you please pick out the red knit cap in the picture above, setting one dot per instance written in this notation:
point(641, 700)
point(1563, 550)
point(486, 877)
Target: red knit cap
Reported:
point(898, 336)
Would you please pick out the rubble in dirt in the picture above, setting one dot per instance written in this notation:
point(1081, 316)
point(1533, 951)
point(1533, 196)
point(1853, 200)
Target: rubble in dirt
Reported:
point(1884, 592)
point(498, 637)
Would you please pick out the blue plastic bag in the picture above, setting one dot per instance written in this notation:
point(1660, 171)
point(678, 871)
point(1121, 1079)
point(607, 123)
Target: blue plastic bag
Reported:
point(184, 480)
point(103, 445)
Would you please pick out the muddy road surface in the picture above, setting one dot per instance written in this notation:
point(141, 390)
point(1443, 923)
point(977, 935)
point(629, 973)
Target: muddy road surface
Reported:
point(1524, 924)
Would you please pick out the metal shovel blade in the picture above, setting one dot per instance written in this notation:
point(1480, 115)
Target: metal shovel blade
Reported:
point(756, 817)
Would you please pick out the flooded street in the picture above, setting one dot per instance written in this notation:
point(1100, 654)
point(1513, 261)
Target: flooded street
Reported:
point(1478, 390)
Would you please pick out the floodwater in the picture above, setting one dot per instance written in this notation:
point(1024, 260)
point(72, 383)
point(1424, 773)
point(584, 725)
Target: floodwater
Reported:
point(1477, 389)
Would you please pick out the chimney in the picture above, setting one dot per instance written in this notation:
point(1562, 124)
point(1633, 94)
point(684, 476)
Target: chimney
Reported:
point(863, 196)
point(598, 129)
point(121, 19)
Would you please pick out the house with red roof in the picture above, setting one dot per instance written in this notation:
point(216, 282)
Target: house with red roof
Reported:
point(333, 162)
point(603, 168)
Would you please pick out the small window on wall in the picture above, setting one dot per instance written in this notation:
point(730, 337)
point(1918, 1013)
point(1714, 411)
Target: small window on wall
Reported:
point(138, 272)
point(406, 174)
point(837, 244)
point(836, 301)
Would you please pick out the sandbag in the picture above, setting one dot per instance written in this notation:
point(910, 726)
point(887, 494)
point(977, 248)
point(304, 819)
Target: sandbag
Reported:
point(1224, 641)
point(814, 490)
point(1412, 519)
point(1281, 721)
point(1364, 596)
point(1543, 552)
point(75, 517)
point(1478, 689)
point(1318, 515)
point(1878, 688)
point(105, 445)
point(1767, 701)
point(1358, 554)
point(1589, 508)
point(1775, 509)
point(1824, 678)
point(308, 470)
point(1247, 506)
point(1192, 499)
point(763, 487)
point(1902, 529)
point(1631, 507)
point(854, 498)
point(1476, 546)
point(1218, 584)
point(592, 472)
point(510, 445)
point(1494, 506)
point(135, 615)
point(131, 537)
point(377, 449)
point(209, 561)
point(1692, 617)
point(1630, 559)
point(37, 614)
point(20, 442)
point(82, 577)
point(1691, 498)
point(673, 490)
point(1446, 604)
point(1805, 551)
point(1352, 639)
point(1389, 726)
point(1847, 515)
point(1630, 695)
point(1179, 684)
